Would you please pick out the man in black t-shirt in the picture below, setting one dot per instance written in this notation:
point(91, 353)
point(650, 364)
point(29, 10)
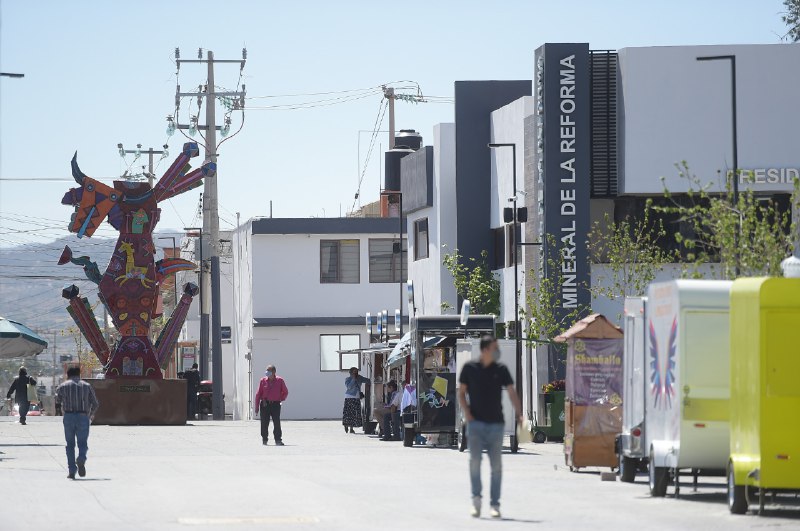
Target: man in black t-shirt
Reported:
point(483, 382)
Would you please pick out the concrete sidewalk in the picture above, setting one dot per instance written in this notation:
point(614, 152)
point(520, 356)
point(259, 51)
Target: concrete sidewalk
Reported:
point(217, 475)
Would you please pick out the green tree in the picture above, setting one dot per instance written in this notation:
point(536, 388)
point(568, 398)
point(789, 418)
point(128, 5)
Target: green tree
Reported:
point(744, 236)
point(474, 281)
point(791, 17)
point(632, 251)
point(544, 314)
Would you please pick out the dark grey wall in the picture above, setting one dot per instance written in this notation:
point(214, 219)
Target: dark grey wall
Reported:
point(475, 100)
point(325, 225)
point(416, 178)
point(566, 116)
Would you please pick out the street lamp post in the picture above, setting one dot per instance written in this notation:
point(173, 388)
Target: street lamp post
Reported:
point(517, 342)
point(732, 59)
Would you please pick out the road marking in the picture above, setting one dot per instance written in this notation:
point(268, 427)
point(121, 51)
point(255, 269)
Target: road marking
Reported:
point(288, 520)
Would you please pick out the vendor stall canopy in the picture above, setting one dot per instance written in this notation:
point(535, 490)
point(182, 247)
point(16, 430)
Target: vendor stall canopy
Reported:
point(402, 350)
point(595, 326)
point(17, 340)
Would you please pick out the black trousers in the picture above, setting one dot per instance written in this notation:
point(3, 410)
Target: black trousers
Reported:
point(191, 405)
point(271, 410)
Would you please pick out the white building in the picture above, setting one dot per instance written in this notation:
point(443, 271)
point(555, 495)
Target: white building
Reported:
point(301, 291)
point(429, 204)
point(595, 132)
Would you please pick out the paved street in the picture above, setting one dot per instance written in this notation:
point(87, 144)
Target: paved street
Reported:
point(214, 475)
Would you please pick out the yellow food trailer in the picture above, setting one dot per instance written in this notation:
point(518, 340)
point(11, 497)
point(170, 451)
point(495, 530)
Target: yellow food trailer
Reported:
point(765, 391)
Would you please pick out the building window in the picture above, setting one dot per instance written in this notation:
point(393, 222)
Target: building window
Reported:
point(386, 260)
point(330, 346)
point(421, 239)
point(339, 261)
point(499, 235)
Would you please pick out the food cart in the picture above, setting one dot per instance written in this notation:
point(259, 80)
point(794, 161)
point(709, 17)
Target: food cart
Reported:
point(426, 363)
point(593, 392)
point(765, 395)
point(686, 407)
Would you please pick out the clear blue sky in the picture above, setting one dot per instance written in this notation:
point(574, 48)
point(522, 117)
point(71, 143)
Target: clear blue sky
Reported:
point(99, 73)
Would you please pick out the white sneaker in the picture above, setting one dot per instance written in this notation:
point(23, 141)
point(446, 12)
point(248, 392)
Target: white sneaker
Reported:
point(476, 507)
point(495, 512)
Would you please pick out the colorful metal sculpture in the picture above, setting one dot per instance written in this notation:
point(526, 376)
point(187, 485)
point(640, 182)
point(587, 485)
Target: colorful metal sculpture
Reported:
point(129, 287)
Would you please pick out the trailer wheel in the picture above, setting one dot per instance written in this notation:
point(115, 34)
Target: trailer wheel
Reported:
point(539, 437)
point(658, 479)
point(737, 501)
point(627, 468)
point(408, 437)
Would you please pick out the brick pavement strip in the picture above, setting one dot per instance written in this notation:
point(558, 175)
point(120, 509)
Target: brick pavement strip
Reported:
point(217, 475)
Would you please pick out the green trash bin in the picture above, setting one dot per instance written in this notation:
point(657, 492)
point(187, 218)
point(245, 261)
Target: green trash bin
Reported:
point(553, 427)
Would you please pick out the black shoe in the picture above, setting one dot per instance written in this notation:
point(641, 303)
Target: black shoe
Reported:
point(352, 430)
point(22, 421)
point(279, 443)
point(71, 476)
point(81, 469)
point(345, 429)
point(264, 441)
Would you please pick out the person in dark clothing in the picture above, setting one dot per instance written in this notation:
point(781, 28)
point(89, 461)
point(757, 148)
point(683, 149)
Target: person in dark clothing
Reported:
point(19, 387)
point(483, 382)
point(192, 377)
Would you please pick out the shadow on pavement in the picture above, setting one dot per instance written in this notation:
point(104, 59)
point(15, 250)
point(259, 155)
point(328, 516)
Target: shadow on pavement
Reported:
point(29, 444)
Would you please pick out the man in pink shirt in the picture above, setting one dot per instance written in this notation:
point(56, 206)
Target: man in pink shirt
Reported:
point(271, 392)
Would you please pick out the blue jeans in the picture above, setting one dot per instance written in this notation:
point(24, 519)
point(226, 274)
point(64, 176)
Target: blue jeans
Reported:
point(486, 436)
point(76, 426)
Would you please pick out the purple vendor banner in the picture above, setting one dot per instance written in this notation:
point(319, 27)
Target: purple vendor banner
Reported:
point(594, 371)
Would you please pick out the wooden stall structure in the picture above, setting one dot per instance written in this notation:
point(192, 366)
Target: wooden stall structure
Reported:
point(593, 392)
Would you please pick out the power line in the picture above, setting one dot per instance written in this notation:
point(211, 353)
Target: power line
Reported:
point(378, 122)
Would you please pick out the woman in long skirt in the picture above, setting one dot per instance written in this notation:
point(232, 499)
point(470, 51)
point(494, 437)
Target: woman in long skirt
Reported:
point(351, 413)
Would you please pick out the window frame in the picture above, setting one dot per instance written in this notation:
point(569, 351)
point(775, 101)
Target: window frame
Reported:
point(417, 247)
point(403, 260)
point(339, 354)
point(339, 263)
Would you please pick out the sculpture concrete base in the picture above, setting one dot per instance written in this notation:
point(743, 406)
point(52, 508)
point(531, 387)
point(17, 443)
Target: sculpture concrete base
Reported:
point(132, 401)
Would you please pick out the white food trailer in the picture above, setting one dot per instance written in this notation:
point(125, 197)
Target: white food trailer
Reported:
point(688, 377)
point(631, 447)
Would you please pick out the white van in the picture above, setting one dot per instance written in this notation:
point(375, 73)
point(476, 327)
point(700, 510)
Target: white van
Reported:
point(688, 377)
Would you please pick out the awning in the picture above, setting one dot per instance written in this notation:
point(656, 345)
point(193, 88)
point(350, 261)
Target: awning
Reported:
point(380, 348)
point(403, 348)
point(400, 350)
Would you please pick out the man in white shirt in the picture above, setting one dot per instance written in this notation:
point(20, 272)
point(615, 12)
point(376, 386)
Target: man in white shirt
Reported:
point(389, 414)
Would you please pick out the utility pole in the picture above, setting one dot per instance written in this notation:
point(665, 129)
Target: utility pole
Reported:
point(211, 212)
point(150, 152)
point(388, 93)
